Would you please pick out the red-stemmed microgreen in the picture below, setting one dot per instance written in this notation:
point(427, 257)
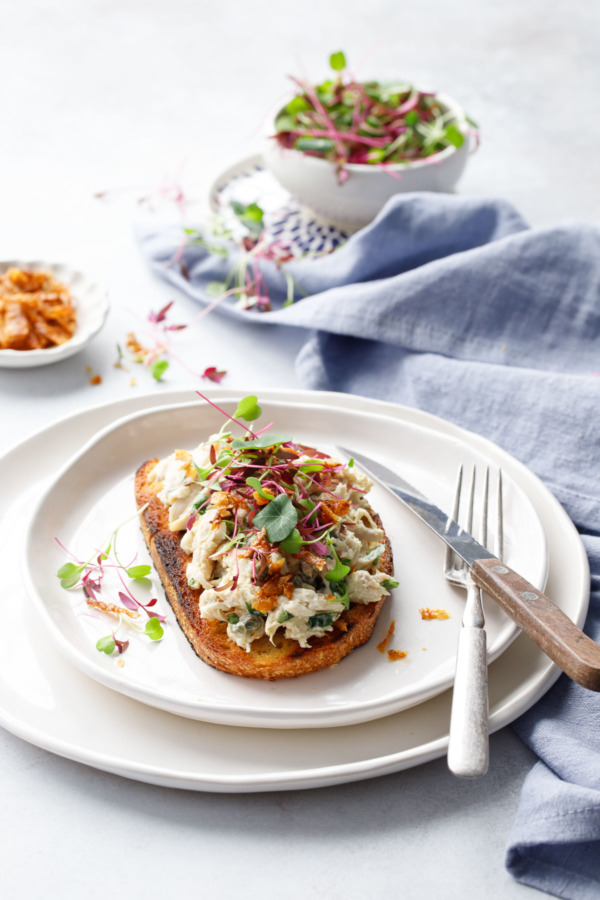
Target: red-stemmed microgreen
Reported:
point(252, 405)
point(89, 576)
point(157, 352)
point(130, 602)
point(109, 643)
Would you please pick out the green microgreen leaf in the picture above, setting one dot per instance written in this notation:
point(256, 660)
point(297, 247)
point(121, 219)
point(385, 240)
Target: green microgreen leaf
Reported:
point(340, 589)
point(285, 615)
point(106, 644)
point(254, 212)
point(283, 122)
point(257, 486)
point(260, 443)
point(297, 104)
point(279, 518)
point(351, 463)
point(320, 620)
point(251, 216)
point(69, 575)
point(248, 409)
point(412, 117)
point(203, 473)
point(453, 135)
point(340, 570)
point(292, 543)
point(233, 619)
point(139, 571)
point(159, 368)
point(224, 458)
point(154, 629)
point(337, 61)
point(325, 86)
point(314, 144)
point(312, 465)
point(389, 584)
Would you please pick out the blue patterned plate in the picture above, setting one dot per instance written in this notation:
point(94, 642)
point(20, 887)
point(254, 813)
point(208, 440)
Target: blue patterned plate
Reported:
point(286, 221)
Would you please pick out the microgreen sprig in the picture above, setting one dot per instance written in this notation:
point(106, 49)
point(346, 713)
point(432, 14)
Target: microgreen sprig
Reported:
point(89, 576)
point(340, 569)
point(245, 281)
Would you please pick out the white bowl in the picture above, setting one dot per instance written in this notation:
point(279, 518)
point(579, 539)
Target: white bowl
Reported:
point(91, 306)
point(313, 181)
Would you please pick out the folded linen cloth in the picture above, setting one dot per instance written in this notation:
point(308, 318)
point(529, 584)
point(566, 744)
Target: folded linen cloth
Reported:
point(455, 306)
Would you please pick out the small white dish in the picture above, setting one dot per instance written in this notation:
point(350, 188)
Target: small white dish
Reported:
point(314, 182)
point(49, 703)
point(91, 305)
point(94, 492)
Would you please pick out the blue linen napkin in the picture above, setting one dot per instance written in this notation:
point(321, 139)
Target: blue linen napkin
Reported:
point(455, 306)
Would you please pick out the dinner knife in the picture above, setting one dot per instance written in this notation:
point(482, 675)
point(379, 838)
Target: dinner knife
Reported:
point(547, 625)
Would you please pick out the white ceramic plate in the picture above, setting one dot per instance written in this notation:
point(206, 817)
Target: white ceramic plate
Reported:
point(91, 304)
point(45, 701)
point(94, 493)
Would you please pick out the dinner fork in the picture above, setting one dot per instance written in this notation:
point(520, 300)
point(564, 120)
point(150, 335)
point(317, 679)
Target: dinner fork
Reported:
point(468, 748)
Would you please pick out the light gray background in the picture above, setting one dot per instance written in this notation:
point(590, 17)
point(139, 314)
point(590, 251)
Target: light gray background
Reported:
point(124, 96)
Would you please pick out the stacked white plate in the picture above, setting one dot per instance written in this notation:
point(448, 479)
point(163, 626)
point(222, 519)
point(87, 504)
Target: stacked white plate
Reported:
point(197, 728)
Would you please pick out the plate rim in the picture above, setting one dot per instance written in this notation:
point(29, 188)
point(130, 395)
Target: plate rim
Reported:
point(513, 701)
point(222, 712)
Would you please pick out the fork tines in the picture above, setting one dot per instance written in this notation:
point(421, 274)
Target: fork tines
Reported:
point(464, 506)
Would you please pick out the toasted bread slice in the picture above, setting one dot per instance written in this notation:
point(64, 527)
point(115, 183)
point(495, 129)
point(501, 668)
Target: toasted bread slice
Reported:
point(283, 659)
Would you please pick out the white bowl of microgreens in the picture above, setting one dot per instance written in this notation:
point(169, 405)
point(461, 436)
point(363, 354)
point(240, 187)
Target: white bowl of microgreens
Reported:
point(342, 148)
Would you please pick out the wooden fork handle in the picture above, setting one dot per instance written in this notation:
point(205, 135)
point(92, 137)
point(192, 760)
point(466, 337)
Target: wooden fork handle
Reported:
point(547, 625)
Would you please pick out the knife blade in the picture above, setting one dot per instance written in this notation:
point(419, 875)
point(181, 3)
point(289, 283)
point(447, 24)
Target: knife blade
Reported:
point(440, 522)
point(547, 625)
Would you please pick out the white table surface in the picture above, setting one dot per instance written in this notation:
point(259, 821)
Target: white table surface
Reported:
point(100, 95)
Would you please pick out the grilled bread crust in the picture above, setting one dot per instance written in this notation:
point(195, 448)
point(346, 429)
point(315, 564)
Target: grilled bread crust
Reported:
point(283, 659)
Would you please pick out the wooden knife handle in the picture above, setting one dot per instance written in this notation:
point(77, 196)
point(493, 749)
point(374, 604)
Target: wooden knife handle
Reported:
point(547, 625)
